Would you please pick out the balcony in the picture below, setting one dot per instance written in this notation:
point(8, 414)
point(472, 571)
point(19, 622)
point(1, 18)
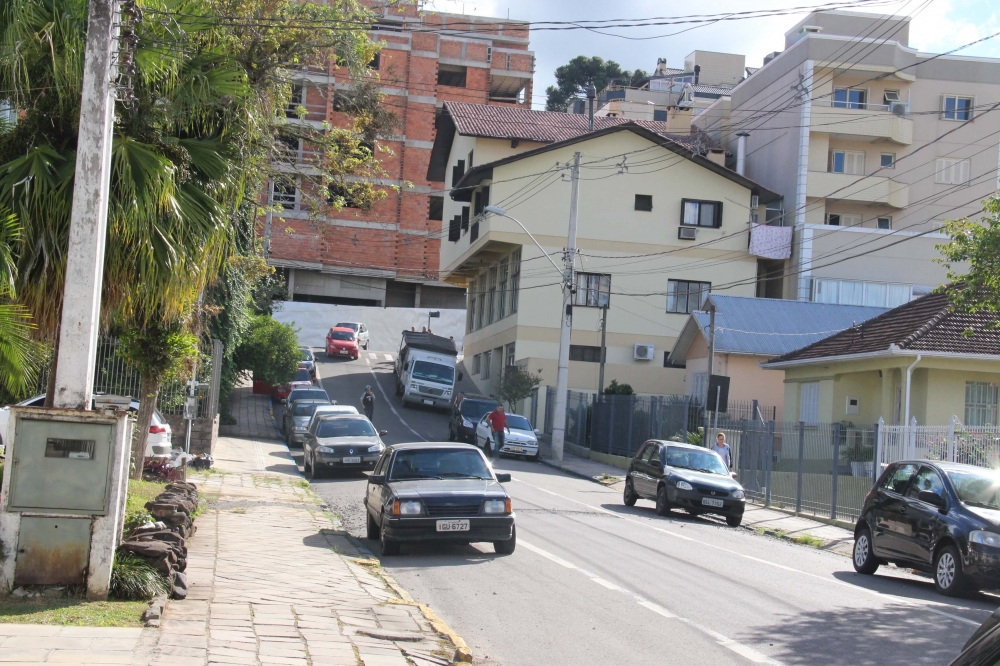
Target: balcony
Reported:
point(870, 122)
point(848, 187)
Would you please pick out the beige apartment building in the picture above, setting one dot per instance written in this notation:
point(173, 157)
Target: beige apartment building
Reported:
point(660, 225)
point(874, 148)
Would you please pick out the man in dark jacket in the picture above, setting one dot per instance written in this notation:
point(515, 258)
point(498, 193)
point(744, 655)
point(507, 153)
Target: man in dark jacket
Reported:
point(368, 402)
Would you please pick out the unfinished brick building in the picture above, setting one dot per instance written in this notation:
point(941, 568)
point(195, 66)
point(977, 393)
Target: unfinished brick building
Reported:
point(389, 256)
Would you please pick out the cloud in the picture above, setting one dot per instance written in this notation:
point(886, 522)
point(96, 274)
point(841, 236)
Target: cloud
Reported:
point(942, 27)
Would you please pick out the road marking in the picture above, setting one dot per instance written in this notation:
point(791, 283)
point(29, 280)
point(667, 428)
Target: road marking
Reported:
point(388, 357)
point(372, 355)
point(368, 361)
point(928, 606)
point(393, 409)
point(724, 641)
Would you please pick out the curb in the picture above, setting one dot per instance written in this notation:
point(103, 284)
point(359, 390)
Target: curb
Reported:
point(571, 472)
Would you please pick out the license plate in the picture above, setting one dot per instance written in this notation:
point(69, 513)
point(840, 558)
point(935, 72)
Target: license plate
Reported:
point(711, 502)
point(430, 402)
point(356, 459)
point(453, 526)
point(343, 351)
point(516, 449)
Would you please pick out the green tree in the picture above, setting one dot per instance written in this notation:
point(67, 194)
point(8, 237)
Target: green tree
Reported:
point(516, 384)
point(270, 351)
point(573, 78)
point(614, 388)
point(973, 259)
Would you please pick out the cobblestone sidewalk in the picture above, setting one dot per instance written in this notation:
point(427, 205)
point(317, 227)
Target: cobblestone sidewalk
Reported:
point(252, 414)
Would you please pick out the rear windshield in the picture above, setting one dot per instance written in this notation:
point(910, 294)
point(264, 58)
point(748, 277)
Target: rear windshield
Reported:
point(341, 335)
point(439, 464)
point(517, 422)
point(702, 461)
point(346, 428)
point(302, 375)
point(306, 355)
point(308, 394)
point(977, 488)
point(304, 408)
point(353, 327)
point(433, 372)
point(476, 409)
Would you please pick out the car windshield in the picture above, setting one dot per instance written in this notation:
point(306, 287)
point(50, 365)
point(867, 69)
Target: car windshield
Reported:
point(346, 428)
point(308, 394)
point(306, 355)
point(302, 375)
point(476, 409)
point(304, 408)
point(341, 335)
point(977, 488)
point(439, 464)
point(338, 409)
point(701, 461)
point(353, 327)
point(433, 372)
point(515, 422)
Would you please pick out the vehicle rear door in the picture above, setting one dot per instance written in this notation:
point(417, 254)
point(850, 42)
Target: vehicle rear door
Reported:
point(887, 510)
point(373, 493)
point(921, 522)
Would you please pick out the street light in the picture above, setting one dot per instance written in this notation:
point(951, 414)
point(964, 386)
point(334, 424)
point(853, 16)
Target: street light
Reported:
point(496, 210)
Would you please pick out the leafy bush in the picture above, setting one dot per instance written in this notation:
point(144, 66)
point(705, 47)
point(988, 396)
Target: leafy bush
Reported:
point(614, 388)
point(135, 579)
point(516, 384)
point(270, 351)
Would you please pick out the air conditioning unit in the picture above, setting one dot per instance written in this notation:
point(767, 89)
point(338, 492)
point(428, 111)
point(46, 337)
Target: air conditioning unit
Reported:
point(643, 352)
point(898, 108)
point(687, 233)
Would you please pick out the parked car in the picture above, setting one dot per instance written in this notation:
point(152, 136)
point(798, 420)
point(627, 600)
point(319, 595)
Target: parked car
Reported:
point(295, 420)
point(359, 329)
point(301, 379)
point(466, 417)
point(983, 646)
point(684, 476)
point(936, 517)
point(158, 445)
point(432, 491)
point(342, 341)
point(342, 441)
point(327, 410)
point(308, 361)
point(522, 440)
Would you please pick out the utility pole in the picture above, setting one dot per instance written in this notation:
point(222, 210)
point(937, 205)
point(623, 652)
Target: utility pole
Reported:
point(711, 370)
point(81, 309)
point(566, 328)
point(604, 349)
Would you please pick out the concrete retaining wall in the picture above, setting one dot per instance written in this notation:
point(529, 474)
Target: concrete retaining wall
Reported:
point(204, 433)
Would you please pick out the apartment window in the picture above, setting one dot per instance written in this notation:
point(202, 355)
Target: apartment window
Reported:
point(491, 295)
point(465, 218)
point(887, 160)
point(489, 54)
point(457, 172)
point(515, 280)
point(8, 114)
point(481, 302)
point(850, 292)
point(952, 172)
point(847, 161)
point(883, 222)
point(285, 194)
point(435, 208)
point(509, 355)
point(376, 61)
point(843, 220)
point(981, 403)
point(487, 362)
point(477, 364)
point(956, 108)
point(850, 98)
point(452, 75)
point(809, 402)
point(685, 296)
point(480, 200)
point(593, 290)
point(341, 194)
point(502, 304)
point(585, 353)
point(470, 159)
point(890, 97)
point(455, 229)
point(701, 213)
point(473, 292)
point(644, 202)
point(295, 101)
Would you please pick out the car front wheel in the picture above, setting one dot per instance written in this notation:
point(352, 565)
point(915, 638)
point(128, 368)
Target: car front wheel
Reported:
point(389, 547)
point(864, 555)
point(628, 495)
point(948, 576)
point(734, 521)
point(506, 547)
point(662, 504)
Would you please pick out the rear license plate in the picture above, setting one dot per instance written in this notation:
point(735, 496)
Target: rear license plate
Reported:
point(712, 502)
point(453, 526)
point(348, 461)
point(428, 402)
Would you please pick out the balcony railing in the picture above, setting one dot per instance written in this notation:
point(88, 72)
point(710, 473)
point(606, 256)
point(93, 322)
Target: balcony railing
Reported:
point(863, 121)
point(849, 187)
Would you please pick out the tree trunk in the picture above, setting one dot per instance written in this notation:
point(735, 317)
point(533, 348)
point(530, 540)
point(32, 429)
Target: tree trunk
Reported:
point(149, 389)
point(50, 384)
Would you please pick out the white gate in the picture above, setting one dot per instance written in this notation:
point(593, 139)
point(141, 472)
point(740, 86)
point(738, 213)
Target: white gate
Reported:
point(973, 445)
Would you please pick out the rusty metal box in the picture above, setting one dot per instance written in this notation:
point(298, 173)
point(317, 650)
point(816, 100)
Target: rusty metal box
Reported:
point(61, 467)
point(52, 551)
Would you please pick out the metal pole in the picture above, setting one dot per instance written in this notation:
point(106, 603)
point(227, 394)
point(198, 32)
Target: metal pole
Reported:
point(687, 409)
point(802, 453)
point(604, 349)
point(711, 360)
point(770, 461)
point(81, 308)
point(566, 326)
point(836, 470)
point(715, 424)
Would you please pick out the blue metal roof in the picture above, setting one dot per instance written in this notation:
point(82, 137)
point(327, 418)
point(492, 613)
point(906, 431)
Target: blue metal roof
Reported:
point(771, 326)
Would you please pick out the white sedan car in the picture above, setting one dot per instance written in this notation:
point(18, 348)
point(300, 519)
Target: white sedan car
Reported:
point(522, 440)
point(359, 329)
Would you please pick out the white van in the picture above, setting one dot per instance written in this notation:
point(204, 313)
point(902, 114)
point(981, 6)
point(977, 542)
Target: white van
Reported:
point(425, 369)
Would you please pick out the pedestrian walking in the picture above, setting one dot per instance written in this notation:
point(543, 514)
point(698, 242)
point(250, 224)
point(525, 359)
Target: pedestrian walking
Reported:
point(459, 399)
point(498, 423)
point(368, 402)
point(722, 449)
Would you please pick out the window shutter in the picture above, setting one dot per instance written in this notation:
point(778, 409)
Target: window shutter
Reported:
point(477, 204)
point(942, 171)
point(465, 218)
point(455, 229)
point(457, 172)
point(485, 194)
point(962, 172)
point(718, 215)
point(809, 402)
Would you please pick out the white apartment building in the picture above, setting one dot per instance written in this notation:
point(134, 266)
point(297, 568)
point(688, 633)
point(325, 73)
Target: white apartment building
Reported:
point(872, 144)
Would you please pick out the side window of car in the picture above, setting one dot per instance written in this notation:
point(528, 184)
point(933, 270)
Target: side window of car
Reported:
point(648, 452)
point(927, 480)
point(896, 482)
point(380, 466)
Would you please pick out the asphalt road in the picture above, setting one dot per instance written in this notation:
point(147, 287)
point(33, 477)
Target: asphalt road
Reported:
point(595, 582)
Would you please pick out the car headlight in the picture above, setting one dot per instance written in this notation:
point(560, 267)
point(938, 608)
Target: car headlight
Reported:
point(413, 387)
point(299, 428)
point(467, 423)
point(494, 506)
point(374, 448)
point(326, 449)
point(738, 494)
point(684, 485)
point(985, 538)
point(407, 508)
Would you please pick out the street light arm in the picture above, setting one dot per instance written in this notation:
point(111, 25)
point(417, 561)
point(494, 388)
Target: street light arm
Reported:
point(502, 213)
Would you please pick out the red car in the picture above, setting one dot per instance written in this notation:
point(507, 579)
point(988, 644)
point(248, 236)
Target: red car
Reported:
point(301, 378)
point(342, 342)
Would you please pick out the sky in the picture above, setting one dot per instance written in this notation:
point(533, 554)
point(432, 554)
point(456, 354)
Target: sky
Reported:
point(936, 26)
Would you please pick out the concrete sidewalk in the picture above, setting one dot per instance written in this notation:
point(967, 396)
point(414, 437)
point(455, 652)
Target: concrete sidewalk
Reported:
point(777, 523)
point(252, 414)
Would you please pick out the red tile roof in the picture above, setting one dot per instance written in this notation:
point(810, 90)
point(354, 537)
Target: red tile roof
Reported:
point(502, 122)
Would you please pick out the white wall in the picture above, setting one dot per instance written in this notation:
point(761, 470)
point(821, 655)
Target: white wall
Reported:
point(384, 324)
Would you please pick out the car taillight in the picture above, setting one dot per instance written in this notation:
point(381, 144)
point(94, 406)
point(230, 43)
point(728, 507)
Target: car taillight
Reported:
point(157, 429)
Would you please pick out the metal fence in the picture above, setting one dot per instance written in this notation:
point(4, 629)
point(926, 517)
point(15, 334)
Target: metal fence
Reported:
point(973, 445)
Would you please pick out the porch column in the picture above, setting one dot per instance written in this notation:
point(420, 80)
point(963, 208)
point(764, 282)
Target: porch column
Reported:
point(887, 409)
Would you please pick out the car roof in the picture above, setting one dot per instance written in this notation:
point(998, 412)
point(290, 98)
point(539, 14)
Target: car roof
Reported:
point(342, 329)
point(356, 323)
point(318, 401)
point(945, 465)
point(416, 446)
point(681, 445)
point(339, 415)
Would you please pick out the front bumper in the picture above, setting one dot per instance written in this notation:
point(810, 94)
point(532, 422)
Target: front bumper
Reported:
point(467, 433)
point(344, 352)
point(298, 437)
point(328, 460)
point(416, 398)
point(692, 499)
point(481, 528)
point(982, 565)
point(519, 449)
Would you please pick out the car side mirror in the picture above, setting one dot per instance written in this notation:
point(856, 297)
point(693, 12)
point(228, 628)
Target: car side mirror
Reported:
point(376, 479)
point(733, 474)
point(537, 431)
point(503, 478)
point(383, 433)
point(460, 376)
point(931, 498)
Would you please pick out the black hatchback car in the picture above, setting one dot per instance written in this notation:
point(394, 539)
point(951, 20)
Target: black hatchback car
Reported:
point(684, 476)
point(438, 492)
point(938, 517)
point(466, 417)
